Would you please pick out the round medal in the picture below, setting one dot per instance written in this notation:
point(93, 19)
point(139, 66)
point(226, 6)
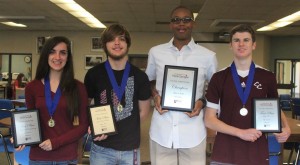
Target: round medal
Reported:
point(243, 111)
point(120, 108)
point(51, 123)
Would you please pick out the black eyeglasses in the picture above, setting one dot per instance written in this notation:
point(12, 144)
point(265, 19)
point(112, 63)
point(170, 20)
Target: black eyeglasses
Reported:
point(184, 20)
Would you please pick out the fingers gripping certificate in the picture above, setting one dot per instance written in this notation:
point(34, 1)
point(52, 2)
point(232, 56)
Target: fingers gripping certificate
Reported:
point(102, 120)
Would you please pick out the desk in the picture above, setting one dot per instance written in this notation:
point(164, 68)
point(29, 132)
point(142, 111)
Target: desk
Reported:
point(5, 122)
point(3, 90)
point(295, 130)
point(294, 137)
point(19, 102)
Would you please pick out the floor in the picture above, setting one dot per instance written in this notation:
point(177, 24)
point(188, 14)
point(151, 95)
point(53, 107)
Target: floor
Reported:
point(145, 156)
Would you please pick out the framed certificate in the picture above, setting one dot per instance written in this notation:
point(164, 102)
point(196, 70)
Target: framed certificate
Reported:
point(26, 127)
point(267, 114)
point(179, 87)
point(102, 120)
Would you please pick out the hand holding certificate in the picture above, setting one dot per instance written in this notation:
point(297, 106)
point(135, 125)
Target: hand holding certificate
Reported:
point(26, 127)
point(267, 115)
point(102, 120)
point(179, 87)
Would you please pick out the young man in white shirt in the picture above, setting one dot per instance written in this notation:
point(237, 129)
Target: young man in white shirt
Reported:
point(179, 137)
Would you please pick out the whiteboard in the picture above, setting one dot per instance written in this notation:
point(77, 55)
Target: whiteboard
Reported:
point(223, 53)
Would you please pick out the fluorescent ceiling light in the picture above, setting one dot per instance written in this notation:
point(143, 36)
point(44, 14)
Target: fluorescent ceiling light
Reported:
point(195, 15)
point(79, 12)
point(282, 22)
point(14, 24)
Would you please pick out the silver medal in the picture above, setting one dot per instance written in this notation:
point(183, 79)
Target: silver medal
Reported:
point(243, 111)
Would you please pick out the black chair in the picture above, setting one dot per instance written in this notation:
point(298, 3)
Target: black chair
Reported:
point(285, 102)
point(295, 104)
point(297, 156)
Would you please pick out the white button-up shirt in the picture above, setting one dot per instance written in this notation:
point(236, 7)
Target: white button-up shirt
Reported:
point(175, 129)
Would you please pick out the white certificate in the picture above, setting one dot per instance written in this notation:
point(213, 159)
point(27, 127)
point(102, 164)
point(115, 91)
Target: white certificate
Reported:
point(179, 87)
point(102, 120)
point(267, 115)
point(26, 127)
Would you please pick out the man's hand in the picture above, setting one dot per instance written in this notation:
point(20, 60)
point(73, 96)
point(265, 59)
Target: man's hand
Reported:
point(196, 110)
point(284, 135)
point(250, 134)
point(156, 100)
point(98, 138)
point(46, 145)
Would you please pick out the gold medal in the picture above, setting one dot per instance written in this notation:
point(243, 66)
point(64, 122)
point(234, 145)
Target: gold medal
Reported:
point(120, 107)
point(51, 122)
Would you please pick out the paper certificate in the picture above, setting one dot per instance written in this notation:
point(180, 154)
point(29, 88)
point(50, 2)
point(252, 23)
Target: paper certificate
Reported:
point(102, 120)
point(179, 87)
point(267, 115)
point(26, 127)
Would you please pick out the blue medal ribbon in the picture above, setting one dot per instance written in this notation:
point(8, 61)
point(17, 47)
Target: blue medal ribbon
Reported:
point(51, 104)
point(119, 90)
point(243, 94)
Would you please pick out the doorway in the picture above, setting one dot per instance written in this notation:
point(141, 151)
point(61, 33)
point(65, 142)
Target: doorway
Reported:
point(11, 65)
point(287, 75)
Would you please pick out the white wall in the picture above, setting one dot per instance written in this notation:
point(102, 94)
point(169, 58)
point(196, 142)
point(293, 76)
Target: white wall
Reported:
point(225, 56)
point(25, 42)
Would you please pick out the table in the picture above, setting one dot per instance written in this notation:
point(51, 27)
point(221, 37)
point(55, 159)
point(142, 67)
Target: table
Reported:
point(3, 90)
point(295, 134)
point(19, 102)
point(5, 122)
point(295, 130)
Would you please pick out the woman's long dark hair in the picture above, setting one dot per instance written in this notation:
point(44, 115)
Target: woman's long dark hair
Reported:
point(19, 79)
point(67, 81)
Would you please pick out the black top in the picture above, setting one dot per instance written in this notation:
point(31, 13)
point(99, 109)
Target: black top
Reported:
point(128, 121)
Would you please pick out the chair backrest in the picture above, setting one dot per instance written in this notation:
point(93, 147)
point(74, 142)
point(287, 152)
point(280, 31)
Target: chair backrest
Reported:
point(296, 107)
point(285, 102)
point(274, 150)
point(284, 97)
point(6, 104)
point(21, 97)
point(4, 113)
point(5, 107)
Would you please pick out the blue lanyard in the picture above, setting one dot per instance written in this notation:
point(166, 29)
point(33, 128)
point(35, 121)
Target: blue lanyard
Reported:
point(119, 90)
point(243, 94)
point(51, 104)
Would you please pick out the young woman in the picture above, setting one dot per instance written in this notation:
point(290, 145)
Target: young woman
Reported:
point(18, 84)
point(62, 104)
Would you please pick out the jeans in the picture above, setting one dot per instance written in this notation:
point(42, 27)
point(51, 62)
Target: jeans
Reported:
point(107, 156)
point(67, 162)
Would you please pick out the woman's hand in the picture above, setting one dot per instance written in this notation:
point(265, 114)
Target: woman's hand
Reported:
point(20, 148)
point(46, 145)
